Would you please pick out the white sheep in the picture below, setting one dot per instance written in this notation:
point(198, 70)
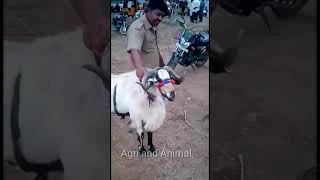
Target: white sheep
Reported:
point(63, 109)
point(146, 101)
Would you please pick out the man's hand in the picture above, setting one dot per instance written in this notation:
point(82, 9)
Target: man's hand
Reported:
point(95, 37)
point(135, 58)
point(140, 73)
point(94, 19)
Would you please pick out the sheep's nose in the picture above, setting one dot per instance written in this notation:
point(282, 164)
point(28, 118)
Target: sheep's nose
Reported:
point(172, 95)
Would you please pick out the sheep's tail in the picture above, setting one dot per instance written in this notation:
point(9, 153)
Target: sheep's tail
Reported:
point(41, 169)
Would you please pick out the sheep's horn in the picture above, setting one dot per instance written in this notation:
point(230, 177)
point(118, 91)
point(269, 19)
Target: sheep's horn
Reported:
point(176, 77)
point(148, 87)
point(144, 87)
point(148, 75)
point(100, 73)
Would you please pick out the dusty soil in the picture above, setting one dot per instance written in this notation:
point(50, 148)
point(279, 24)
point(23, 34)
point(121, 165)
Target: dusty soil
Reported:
point(175, 134)
point(266, 108)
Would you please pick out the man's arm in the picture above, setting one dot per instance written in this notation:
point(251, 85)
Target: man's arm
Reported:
point(135, 57)
point(92, 14)
point(135, 40)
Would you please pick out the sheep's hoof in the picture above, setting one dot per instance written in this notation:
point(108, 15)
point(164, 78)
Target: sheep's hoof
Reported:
point(152, 148)
point(142, 150)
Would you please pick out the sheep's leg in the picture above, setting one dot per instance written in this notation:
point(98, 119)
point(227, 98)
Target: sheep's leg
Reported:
point(150, 144)
point(140, 140)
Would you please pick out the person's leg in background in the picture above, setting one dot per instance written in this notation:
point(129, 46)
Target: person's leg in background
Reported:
point(196, 16)
point(182, 11)
point(193, 14)
point(200, 15)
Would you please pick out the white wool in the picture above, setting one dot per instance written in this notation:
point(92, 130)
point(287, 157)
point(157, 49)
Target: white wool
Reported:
point(132, 98)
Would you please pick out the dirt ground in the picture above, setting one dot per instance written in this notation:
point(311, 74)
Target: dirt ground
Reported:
point(266, 108)
point(175, 134)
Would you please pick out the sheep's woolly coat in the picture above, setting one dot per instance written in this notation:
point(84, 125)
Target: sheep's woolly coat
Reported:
point(130, 97)
point(64, 109)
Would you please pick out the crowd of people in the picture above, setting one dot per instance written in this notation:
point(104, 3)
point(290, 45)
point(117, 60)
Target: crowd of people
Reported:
point(141, 4)
point(195, 9)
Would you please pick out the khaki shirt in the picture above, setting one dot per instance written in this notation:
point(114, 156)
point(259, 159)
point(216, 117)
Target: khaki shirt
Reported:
point(142, 36)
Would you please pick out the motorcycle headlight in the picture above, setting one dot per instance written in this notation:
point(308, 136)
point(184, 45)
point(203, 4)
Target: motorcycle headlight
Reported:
point(184, 43)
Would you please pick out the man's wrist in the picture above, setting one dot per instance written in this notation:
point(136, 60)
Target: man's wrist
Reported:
point(140, 70)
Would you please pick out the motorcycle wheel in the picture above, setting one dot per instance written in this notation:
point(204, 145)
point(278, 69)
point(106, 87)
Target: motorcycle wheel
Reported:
point(285, 10)
point(123, 29)
point(201, 62)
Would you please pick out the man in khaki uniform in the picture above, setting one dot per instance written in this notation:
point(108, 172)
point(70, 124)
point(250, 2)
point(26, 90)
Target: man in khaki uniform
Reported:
point(142, 38)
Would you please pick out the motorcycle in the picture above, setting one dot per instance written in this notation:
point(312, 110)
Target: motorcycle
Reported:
point(191, 49)
point(138, 14)
point(282, 8)
point(120, 23)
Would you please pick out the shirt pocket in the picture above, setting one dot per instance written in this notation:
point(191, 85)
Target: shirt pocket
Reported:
point(150, 42)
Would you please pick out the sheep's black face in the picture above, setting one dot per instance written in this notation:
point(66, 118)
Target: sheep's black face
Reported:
point(165, 84)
